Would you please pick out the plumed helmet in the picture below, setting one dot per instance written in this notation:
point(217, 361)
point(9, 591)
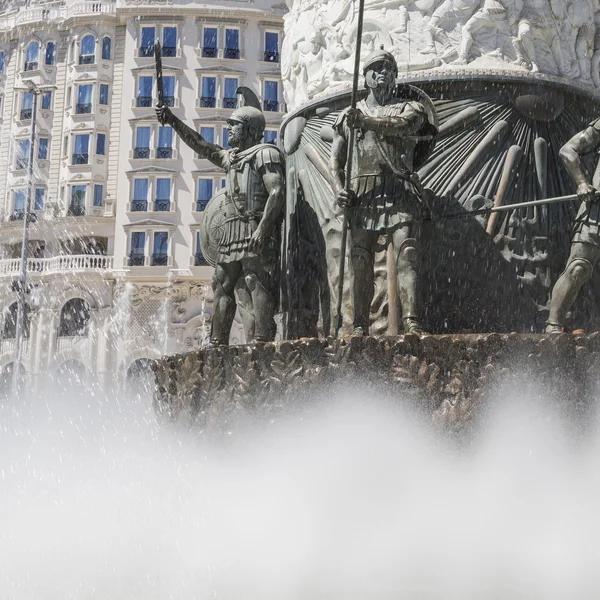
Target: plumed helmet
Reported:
point(378, 56)
point(250, 113)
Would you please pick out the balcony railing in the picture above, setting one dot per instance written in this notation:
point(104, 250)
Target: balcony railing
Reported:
point(26, 114)
point(139, 205)
point(21, 163)
point(270, 56)
point(169, 51)
point(76, 262)
point(141, 153)
point(146, 50)
point(87, 59)
point(160, 260)
point(80, 159)
point(76, 210)
point(164, 153)
point(208, 102)
point(137, 260)
point(208, 52)
point(31, 65)
point(271, 105)
point(232, 53)
point(230, 102)
point(201, 205)
point(17, 215)
point(169, 101)
point(199, 259)
point(57, 11)
point(144, 101)
point(83, 108)
point(162, 205)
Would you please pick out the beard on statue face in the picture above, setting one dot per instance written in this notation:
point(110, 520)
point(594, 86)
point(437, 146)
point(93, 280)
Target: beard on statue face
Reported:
point(236, 133)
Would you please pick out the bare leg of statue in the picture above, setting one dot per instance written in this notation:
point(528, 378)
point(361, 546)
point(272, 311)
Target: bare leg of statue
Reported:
point(223, 284)
point(258, 282)
point(362, 260)
point(406, 252)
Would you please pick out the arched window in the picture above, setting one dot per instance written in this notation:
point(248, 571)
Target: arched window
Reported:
point(140, 376)
point(87, 54)
point(9, 330)
point(74, 318)
point(106, 48)
point(50, 50)
point(32, 56)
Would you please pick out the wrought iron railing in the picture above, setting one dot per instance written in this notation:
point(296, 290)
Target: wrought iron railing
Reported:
point(26, 114)
point(139, 205)
point(208, 52)
point(270, 105)
point(199, 259)
point(17, 215)
point(31, 65)
point(87, 59)
point(230, 102)
point(201, 205)
point(271, 56)
point(144, 101)
point(146, 50)
point(141, 153)
point(76, 210)
point(83, 108)
point(208, 102)
point(21, 163)
point(169, 101)
point(169, 51)
point(80, 159)
point(164, 153)
point(162, 205)
point(137, 260)
point(160, 260)
point(232, 53)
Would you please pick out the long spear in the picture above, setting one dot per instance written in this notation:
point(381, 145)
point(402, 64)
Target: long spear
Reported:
point(159, 74)
point(359, 28)
point(504, 208)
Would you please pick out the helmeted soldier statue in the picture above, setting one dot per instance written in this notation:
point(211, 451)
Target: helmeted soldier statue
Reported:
point(245, 219)
point(392, 135)
point(585, 245)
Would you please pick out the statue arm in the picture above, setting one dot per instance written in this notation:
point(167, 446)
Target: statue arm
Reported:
point(579, 145)
point(409, 122)
point(339, 154)
point(192, 138)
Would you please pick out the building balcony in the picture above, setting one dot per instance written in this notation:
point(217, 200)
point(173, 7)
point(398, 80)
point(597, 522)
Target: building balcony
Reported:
point(8, 345)
point(141, 153)
point(21, 164)
point(17, 215)
point(201, 205)
point(87, 59)
point(269, 56)
point(146, 51)
point(137, 260)
point(80, 159)
point(84, 108)
point(162, 205)
point(164, 153)
point(160, 260)
point(230, 102)
point(139, 205)
point(231, 53)
point(144, 101)
point(76, 210)
point(77, 9)
point(169, 51)
point(169, 101)
point(208, 102)
point(26, 114)
point(57, 264)
point(70, 342)
point(31, 65)
point(199, 260)
point(271, 105)
point(208, 52)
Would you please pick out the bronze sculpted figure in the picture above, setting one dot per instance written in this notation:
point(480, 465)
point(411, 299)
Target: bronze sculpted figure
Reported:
point(393, 136)
point(246, 221)
point(585, 245)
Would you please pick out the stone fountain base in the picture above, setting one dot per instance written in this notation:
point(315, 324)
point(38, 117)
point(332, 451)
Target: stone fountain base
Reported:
point(450, 377)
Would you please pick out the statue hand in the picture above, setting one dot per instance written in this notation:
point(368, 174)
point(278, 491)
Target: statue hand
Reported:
point(162, 113)
point(355, 118)
point(346, 199)
point(257, 241)
point(587, 192)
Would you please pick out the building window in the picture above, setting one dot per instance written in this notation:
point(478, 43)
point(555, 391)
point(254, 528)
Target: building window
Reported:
point(169, 90)
point(208, 95)
point(232, 44)
point(204, 193)
point(23, 148)
point(100, 144)
point(84, 99)
point(165, 143)
point(87, 54)
point(103, 93)
point(229, 92)
point(40, 193)
point(208, 133)
point(271, 53)
point(106, 48)
point(77, 206)
point(46, 100)
point(144, 97)
point(199, 259)
point(2, 65)
point(27, 106)
point(140, 195)
point(169, 45)
point(209, 42)
point(226, 138)
point(98, 195)
point(81, 150)
point(163, 195)
point(142, 142)
point(147, 41)
point(20, 199)
point(271, 96)
point(270, 136)
point(74, 318)
point(160, 248)
point(137, 249)
point(50, 53)
point(32, 56)
point(43, 149)
point(65, 145)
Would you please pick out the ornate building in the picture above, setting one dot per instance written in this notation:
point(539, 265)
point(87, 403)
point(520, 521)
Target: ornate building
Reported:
point(114, 257)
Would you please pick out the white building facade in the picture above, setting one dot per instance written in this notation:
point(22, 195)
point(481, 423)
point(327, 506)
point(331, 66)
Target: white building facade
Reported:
point(115, 264)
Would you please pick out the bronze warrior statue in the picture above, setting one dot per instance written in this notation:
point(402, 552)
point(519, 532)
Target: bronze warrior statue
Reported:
point(585, 246)
point(393, 136)
point(249, 214)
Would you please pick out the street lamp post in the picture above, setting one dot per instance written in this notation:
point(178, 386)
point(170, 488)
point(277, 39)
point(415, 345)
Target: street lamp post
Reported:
point(22, 281)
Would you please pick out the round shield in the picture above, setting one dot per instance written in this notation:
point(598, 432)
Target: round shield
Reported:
point(212, 226)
